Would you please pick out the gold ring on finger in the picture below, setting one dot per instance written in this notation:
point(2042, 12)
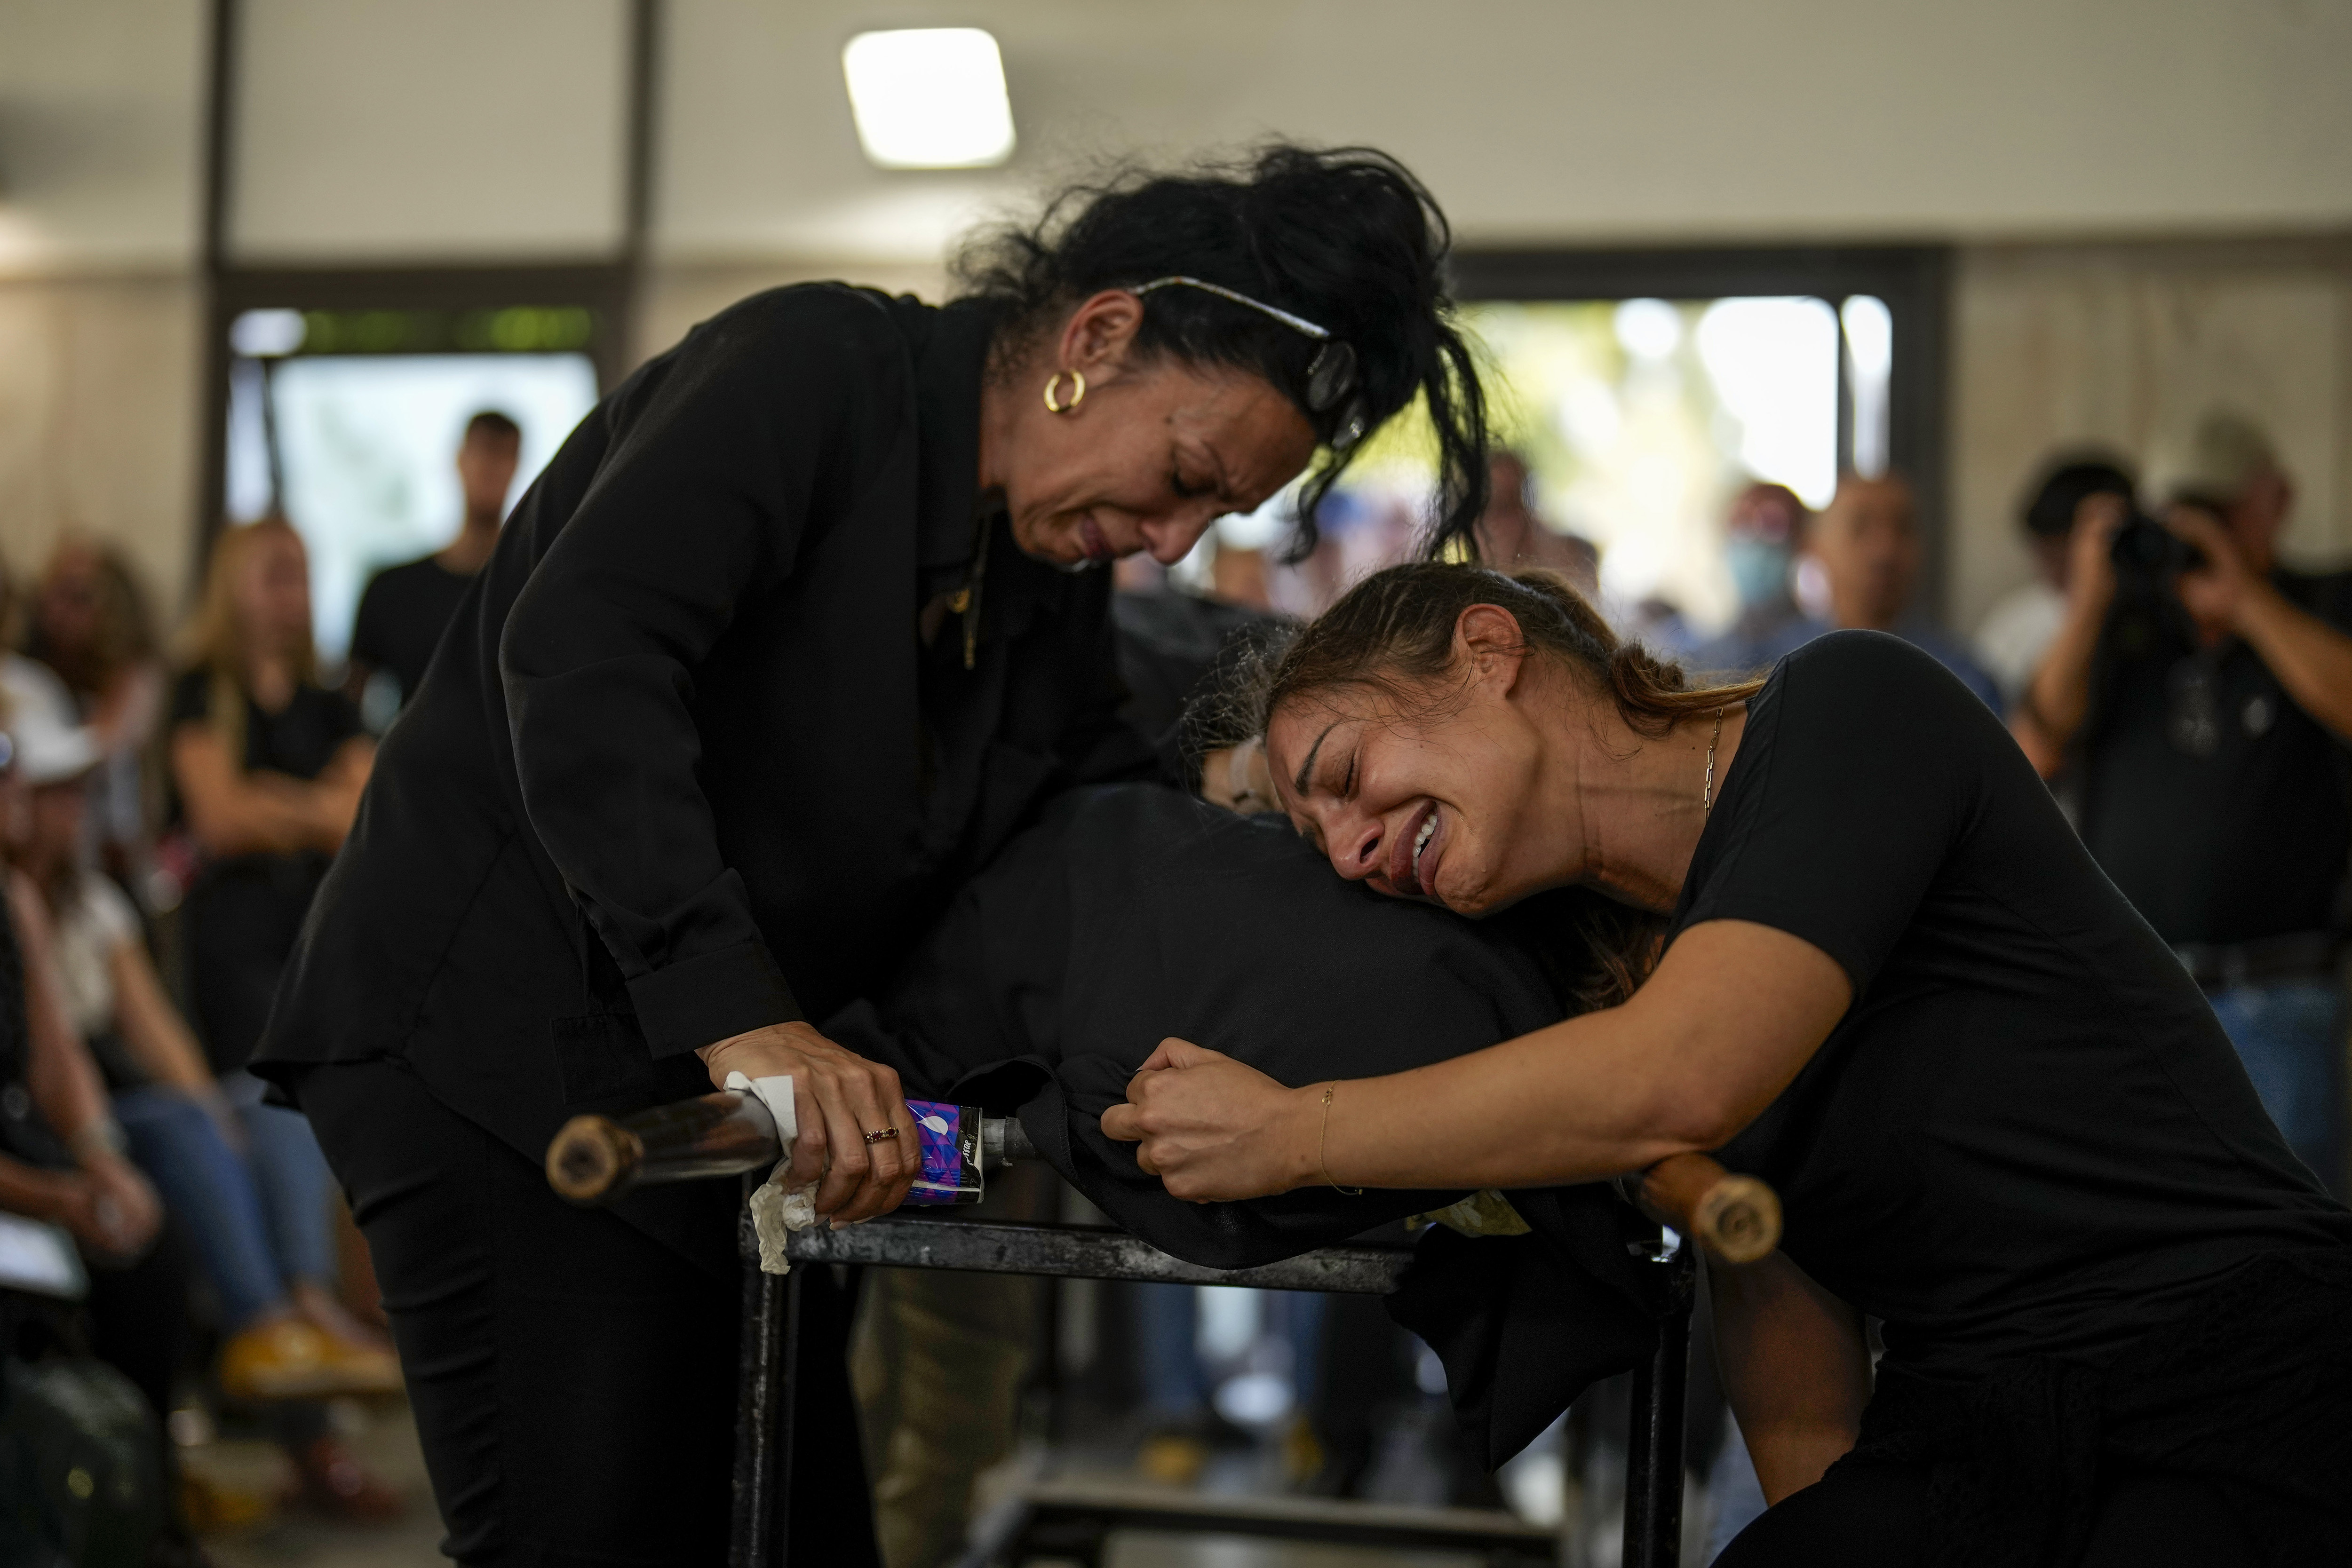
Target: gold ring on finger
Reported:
point(885, 1135)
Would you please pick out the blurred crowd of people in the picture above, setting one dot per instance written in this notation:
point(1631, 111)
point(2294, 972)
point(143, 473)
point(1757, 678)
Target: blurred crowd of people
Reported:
point(166, 815)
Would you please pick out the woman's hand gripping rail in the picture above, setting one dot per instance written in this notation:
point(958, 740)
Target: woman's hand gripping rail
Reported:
point(597, 1160)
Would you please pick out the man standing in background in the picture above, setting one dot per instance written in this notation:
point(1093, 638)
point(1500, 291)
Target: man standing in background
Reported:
point(2206, 694)
point(406, 607)
point(1867, 546)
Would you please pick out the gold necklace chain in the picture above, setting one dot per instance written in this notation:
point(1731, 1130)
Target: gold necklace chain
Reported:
point(1706, 793)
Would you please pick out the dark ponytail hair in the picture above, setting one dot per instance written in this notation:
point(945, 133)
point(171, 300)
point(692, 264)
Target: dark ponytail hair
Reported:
point(1343, 236)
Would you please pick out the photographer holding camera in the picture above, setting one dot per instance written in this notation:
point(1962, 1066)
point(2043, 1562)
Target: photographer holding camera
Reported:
point(2201, 697)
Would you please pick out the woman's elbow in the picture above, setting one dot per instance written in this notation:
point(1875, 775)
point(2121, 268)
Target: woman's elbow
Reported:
point(1693, 1113)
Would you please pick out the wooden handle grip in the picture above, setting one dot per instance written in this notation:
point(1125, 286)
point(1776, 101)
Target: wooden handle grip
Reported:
point(596, 1160)
point(1736, 1217)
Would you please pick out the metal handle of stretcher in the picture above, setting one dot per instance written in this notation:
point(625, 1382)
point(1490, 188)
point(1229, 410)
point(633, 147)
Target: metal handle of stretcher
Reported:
point(595, 1160)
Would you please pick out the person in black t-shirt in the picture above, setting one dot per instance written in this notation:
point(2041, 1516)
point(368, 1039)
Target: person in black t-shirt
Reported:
point(266, 769)
point(2000, 1116)
point(2208, 712)
point(405, 608)
point(267, 766)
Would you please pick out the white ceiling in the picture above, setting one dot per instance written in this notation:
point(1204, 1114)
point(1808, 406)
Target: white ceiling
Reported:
point(406, 129)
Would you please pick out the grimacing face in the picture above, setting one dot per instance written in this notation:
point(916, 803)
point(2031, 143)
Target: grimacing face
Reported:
point(1425, 805)
point(1155, 451)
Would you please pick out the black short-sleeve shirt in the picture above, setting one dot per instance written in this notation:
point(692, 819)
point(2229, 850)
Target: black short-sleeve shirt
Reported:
point(2028, 1135)
point(401, 616)
point(2222, 808)
point(299, 740)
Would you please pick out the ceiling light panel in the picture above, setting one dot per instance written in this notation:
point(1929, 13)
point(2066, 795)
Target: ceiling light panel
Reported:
point(929, 98)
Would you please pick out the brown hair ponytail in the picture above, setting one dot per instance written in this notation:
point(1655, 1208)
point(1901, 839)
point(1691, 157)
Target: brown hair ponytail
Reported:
point(1394, 633)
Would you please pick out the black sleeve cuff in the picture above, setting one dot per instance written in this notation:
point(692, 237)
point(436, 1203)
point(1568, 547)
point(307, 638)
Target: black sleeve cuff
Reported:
point(699, 1001)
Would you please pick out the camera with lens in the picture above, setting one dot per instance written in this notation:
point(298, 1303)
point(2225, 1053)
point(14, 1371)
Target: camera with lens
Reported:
point(2148, 556)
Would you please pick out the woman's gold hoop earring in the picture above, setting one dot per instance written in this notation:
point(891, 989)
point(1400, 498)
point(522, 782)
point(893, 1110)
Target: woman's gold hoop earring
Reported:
point(1077, 391)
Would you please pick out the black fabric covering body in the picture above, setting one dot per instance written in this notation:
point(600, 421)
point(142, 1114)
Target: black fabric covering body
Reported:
point(1133, 912)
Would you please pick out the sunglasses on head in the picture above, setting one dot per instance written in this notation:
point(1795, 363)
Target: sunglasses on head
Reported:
point(1331, 375)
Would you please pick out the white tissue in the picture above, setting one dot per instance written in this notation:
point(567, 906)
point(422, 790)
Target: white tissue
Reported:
point(776, 1208)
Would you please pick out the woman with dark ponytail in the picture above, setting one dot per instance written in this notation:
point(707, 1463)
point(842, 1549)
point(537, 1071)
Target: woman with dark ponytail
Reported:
point(2001, 1117)
point(790, 637)
point(1346, 237)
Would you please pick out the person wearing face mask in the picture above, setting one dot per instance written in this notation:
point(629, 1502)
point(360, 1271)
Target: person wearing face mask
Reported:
point(1759, 550)
point(793, 632)
point(2000, 1116)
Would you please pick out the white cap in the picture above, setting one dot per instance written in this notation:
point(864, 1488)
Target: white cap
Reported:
point(2228, 452)
point(49, 741)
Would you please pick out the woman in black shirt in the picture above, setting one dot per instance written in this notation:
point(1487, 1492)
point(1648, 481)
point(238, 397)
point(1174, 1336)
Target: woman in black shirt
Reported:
point(791, 635)
point(2000, 1114)
point(267, 769)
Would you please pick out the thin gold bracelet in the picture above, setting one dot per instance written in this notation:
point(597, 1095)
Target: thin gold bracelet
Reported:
point(1323, 1137)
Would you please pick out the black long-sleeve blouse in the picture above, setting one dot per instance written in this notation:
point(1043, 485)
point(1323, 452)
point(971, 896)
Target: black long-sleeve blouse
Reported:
point(682, 766)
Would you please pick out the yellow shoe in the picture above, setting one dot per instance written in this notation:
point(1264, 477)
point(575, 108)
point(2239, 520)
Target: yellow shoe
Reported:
point(365, 1366)
point(213, 1508)
point(1172, 1460)
point(286, 1358)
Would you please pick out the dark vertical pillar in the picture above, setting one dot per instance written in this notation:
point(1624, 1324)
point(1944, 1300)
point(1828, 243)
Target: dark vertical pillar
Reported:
point(1844, 390)
point(617, 356)
point(220, 126)
point(1917, 410)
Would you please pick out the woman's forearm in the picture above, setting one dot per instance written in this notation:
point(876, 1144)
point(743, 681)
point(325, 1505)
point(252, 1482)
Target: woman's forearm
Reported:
point(234, 812)
point(2058, 698)
point(1733, 1012)
point(63, 1081)
point(152, 1028)
point(33, 1191)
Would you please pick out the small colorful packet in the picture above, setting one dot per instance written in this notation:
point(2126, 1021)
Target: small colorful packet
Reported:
point(948, 1139)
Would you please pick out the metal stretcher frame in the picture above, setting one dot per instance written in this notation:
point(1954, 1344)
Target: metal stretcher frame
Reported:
point(764, 1433)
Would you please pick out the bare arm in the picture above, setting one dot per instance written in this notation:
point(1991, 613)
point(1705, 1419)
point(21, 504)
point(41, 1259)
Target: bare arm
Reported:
point(2058, 699)
point(1733, 1012)
point(1796, 1369)
point(152, 1028)
point(63, 1081)
point(2311, 659)
point(107, 1203)
point(232, 812)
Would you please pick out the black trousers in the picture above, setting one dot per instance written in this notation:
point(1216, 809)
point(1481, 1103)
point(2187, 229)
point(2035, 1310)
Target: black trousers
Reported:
point(1877, 1514)
point(572, 1378)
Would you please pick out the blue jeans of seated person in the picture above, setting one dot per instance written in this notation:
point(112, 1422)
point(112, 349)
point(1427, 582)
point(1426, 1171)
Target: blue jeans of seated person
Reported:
point(258, 1218)
point(1168, 1322)
point(2290, 1035)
